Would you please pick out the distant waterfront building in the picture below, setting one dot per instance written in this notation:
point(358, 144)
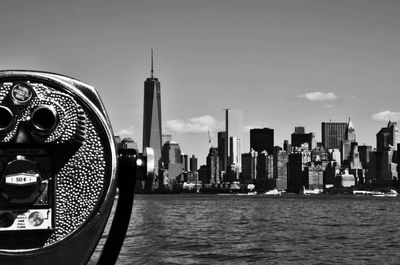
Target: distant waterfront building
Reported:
point(185, 160)
point(388, 137)
point(296, 172)
point(249, 166)
point(280, 169)
point(319, 154)
point(203, 174)
point(382, 167)
point(364, 151)
point(152, 129)
point(128, 143)
point(314, 176)
point(262, 165)
point(172, 160)
point(355, 165)
point(333, 134)
point(192, 177)
point(221, 149)
point(193, 164)
point(334, 155)
point(213, 166)
point(236, 155)
point(233, 128)
point(350, 139)
point(299, 138)
point(287, 147)
point(347, 180)
point(262, 139)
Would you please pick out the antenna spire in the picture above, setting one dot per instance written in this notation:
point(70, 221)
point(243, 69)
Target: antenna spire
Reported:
point(152, 69)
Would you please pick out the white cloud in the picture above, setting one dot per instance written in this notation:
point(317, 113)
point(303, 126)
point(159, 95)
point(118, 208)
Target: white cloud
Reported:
point(319, 96)
point(201, 124)
point(386, 116)
point(126, 132)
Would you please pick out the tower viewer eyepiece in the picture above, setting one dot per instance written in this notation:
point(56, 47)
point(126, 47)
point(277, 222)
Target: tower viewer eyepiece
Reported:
point(58, 172)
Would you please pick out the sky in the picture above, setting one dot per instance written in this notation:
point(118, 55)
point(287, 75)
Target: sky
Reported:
point(283, 63)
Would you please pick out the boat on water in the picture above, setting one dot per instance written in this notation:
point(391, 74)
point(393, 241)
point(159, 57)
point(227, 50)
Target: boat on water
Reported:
point(391, 193)
point(250, 193)
point(378, 194)
point(251, 190)
point(362, 192)
point(273, 192)
point(311, 192)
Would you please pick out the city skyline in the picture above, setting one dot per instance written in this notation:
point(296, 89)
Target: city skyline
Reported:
point(284, 63)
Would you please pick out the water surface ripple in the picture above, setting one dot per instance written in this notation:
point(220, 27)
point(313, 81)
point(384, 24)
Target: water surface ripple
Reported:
point(232, 229)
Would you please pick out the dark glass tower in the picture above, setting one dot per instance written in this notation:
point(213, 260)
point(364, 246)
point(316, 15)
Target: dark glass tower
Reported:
point(152, 116)
point(262, 140)
point(333, 134)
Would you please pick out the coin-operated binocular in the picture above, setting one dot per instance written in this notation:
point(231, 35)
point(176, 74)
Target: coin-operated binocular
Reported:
point(59, 171)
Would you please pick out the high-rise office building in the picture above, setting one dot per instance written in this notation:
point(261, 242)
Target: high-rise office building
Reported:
point(383, 162)
point(221, 149)
point(249, 165)
point(388, 137)
point(185, 161)
point(364, 151)
point(213, 166)
point(333, 134)
point(350, 132)
point(152, 131)
point(233, 128)
point(262, 140)
point(128, 143)
point(236, 154)
point(299, 138)
point(348, 142)
point(193, 164)
point(287, 147)
point(295, 172)
point(172, 159)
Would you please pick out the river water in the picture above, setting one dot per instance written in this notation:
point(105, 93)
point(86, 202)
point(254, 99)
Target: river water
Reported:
point(289, 229)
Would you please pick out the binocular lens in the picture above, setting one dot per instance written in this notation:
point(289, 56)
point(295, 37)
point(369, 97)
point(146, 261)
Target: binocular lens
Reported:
point(6, 118)
point(44, 118)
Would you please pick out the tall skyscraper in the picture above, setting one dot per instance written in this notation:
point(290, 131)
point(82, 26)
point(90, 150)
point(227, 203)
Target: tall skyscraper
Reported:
point(388, 137)
point(249, 166)
point(152, 116)
point(185, 161)
point(172, 159)
point(213, 166)
point(350, 139)
point(221, 149)
point(262, 140)
point(333, 134)
point(233, 128)
point(193, 164)
point(235, 156)
point(350, 132)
